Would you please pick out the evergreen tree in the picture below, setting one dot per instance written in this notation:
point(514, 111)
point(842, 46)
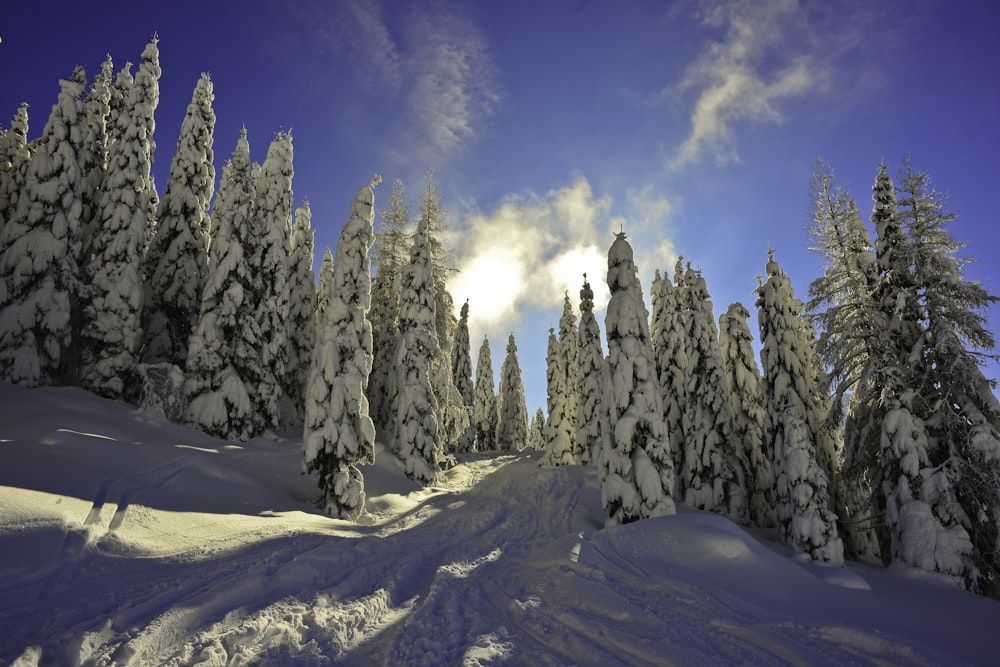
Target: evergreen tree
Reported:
point(512, 410)
point(339, 434)
point(636, 469)
point(950, 394)
point(563, 374)
point(462, 377)
point(484, 406)
point(790, 396)
point(416, 439)
point(269, 263)
point(536, 431)
point(14, 155)
point(714, 469)
point(175, 261)
point(452, 416)
point(39, 276)
point(111, 330)
point(743, 382)
point(97, 109)
point(801, 488)
point(593, 429)
point(670, 351)
point(302, 310)
point(390, 254)
point(223, 364)
point(924, 529)
point(842, 308)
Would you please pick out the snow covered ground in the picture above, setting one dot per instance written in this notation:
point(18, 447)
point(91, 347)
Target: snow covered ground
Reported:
point(125, 539)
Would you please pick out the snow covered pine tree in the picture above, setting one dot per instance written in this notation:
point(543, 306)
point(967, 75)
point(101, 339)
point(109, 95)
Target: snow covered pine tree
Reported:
point(512, 410)
point(339, 433)
point(636, 469)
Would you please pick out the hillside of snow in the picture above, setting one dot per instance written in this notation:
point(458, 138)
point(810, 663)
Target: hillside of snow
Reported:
point(128, 540)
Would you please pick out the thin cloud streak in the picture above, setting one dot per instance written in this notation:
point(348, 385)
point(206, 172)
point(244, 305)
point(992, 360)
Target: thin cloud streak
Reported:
point(736, 80)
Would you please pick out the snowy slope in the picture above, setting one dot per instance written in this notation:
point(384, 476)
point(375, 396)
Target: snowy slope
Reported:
point(125, 539)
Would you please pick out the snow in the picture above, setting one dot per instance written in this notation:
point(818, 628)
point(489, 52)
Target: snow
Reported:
point(126, 539)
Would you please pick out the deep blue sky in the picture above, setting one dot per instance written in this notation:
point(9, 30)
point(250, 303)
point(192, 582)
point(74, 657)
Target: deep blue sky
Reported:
point(692, 125)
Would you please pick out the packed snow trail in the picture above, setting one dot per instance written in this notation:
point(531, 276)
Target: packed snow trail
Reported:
point(128, 540)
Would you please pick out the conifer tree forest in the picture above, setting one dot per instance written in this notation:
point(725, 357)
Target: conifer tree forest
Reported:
point(857, 424)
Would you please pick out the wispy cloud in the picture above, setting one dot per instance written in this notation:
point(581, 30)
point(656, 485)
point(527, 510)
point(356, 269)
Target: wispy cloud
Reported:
point(432, 63)
point(742, 78)
point(453, 83)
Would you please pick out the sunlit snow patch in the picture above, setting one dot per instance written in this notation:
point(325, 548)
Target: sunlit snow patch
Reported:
point(465, 568)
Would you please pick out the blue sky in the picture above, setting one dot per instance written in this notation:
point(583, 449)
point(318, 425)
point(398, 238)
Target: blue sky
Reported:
point(550, 125)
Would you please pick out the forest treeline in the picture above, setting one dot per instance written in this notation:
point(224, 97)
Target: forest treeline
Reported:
point(867, 431)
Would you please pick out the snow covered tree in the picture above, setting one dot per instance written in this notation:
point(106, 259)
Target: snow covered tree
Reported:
point(805, 521)
point(536, 431)
point(484, 405)
point(302, 310)
point(743, 381)
point(14, 155)
point(223, 365)
point(512, 410)
point(416, 439)
point(97, 110)
point(390, 254)
point(39, 275)
point(562, 375)
point(462, 377)
point(636, 468)
point(791, 403)
point(593, 432)
point(925, 530)
point(714, 470)
point(339, 433)
point(269, 263)
point(175, 261)
point(112, 313)
point(669, 327)
point(842, 307)
point(951, 396)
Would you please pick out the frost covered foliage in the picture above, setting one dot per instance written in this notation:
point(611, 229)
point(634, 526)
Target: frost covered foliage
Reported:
point(39, 275)
point(593, 432)
point(669, 332)
point(484, 404)
point(843, 309)
point(269, 263)
point(636, 469)
point(415, 437)
point(804, 519)
point(743, 381)
point(113, 310)
point(562, 375)
point(301, 310)
point(512, 409)
point(714, 465)
point(339, 433)
point(390, 254)
point(176, 259)
point(162, 390)
point(920, 507)
point(223, 363)
point(802, 500)
point(536, 431)
point(461, 368)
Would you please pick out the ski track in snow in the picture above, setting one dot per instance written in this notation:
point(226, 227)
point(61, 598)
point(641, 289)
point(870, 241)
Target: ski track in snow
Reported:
point(502, 563)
